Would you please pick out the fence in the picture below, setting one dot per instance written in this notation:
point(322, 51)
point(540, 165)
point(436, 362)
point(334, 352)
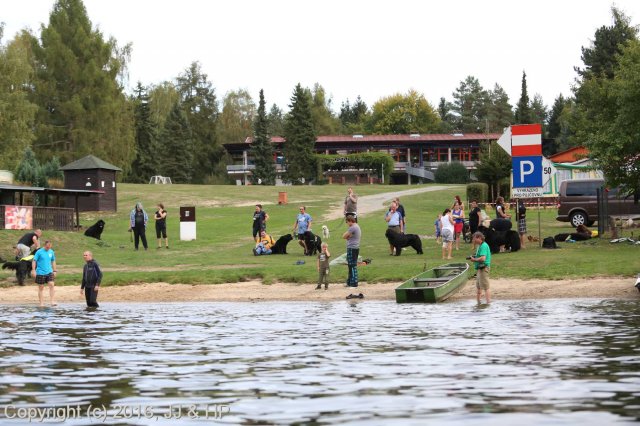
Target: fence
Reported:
point(53, 218)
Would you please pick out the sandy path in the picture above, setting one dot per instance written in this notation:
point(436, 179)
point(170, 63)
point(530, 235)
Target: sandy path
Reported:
point(502, 289)
point(371, 203)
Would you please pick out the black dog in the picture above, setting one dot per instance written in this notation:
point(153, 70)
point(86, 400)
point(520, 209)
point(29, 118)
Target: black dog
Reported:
point(313, 243)
point(403, 240)
point(509, 239)
point(22, 268)
point(95, 230)
point(280, 247)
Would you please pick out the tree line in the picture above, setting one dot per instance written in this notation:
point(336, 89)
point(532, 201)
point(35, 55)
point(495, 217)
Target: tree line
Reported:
point(62, 94)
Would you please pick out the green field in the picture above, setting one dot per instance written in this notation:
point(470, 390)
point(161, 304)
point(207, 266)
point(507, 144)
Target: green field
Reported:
point(222, 251)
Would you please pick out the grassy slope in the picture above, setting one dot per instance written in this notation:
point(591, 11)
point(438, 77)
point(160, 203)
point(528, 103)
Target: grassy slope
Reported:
point(222, 251)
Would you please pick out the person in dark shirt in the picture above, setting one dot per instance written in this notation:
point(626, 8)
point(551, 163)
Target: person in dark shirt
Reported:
point(474, 216)
point(138, 223)
point(161, 225)
point(91, 278)
point(260, 218)
point(27, 242)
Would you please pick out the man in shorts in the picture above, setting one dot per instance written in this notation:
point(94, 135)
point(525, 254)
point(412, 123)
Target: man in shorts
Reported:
point(43, 268)
point(482, 265)
point(302, 225)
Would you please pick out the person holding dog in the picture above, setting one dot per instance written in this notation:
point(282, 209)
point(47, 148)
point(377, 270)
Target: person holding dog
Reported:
point(351, 204)
point(44, 269)
point(161, 225)
point(323, 267)
point(394, 222)
point(91, 278)
point(302, 226)
point(27, 242)
point(482, 265)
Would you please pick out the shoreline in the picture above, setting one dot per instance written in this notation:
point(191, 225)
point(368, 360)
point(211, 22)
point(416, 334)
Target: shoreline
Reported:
point(255, 291)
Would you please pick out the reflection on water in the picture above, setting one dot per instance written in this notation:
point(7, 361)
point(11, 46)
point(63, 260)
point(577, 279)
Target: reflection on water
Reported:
point(521, 362)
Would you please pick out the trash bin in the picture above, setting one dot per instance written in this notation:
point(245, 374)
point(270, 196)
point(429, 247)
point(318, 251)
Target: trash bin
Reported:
point(187, 223)
point(282, 198)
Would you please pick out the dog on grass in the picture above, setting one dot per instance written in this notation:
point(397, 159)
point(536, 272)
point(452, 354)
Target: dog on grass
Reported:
point(22, 267)
point(398, 241)
point(95, 230)
point(280, 247)
point(325, 231)
point(313, 243)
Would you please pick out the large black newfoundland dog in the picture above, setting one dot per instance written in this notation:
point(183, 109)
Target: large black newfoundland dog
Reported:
point(313, 243)
point(499, 234)
point(95, 230)
point(22, 268)
point(280, 247)
point(403, 240)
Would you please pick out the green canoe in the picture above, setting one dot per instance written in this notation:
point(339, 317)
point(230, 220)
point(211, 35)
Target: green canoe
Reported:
point(434, 285)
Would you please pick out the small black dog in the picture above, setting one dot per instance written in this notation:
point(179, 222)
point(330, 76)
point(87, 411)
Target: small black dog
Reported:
point(313, 243)
point(280, 247)
point(404, 240)
point(95, 230)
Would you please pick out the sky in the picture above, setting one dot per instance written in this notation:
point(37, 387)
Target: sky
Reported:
point(370, 49)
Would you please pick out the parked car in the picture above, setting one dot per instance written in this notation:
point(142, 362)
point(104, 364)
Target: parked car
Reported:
point(578, 203)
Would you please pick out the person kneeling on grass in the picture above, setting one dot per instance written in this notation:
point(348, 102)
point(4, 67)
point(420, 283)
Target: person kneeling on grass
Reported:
point(263, 244)
point(482, 260)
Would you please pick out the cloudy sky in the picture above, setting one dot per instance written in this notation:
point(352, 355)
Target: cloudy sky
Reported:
point(369, 48)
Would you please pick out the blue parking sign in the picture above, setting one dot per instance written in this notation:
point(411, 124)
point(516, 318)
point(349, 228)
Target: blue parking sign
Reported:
point(527, 171)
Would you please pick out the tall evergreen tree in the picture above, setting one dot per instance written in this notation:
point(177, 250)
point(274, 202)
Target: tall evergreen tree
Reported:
point(470, 105)
point(261, 147)
point(353, 117)
point(145, 163)
point(29, 170)
point(17, 112)
point(176, 147)
point(276, 121)
point(558, 131)
point(499, 110)
point(300, 138)
point(446, 117)
point(82, 107)
point(198, 101)
point(523, 108)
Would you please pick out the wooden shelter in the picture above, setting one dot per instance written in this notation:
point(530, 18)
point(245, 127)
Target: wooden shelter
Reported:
point(92, 173)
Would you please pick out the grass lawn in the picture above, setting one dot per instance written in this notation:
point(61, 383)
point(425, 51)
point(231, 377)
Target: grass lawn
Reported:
point(222, 251)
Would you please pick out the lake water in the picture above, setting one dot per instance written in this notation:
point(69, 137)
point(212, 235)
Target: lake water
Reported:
point(371, 363)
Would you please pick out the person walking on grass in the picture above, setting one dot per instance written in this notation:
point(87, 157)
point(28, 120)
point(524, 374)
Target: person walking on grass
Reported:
point(44, 269)
point(323, 267)
point(91, 278)
point(302, 225)
point(138, 223)
point(482, 265)
point(446, 231)
point(352, 236)
point(161, 225)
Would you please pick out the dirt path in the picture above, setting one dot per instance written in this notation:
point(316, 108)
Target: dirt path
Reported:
point(372, 203)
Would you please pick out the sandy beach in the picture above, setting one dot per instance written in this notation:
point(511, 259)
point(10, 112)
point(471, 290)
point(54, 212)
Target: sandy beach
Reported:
point(255, 291)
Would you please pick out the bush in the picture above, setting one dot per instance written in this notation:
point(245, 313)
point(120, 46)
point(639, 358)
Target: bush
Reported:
point(478, 191)
point(454, 172)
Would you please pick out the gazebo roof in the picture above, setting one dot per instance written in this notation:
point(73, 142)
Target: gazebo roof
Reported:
point(90, 162)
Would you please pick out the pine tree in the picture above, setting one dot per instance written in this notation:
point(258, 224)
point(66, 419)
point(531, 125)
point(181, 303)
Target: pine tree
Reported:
point(176, 147)
point(81, 105)
point(275, 121)
point(261, 148)
point(500, 112)
point(470, 104)
point(523, 109)
point(145, 164)
point(300, 138)
point(29, 170)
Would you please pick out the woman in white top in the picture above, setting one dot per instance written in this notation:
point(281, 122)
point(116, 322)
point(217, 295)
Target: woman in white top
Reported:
point(446, 226)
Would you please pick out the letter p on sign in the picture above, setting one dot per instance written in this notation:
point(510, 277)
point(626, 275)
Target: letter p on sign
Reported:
point(527, 171)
